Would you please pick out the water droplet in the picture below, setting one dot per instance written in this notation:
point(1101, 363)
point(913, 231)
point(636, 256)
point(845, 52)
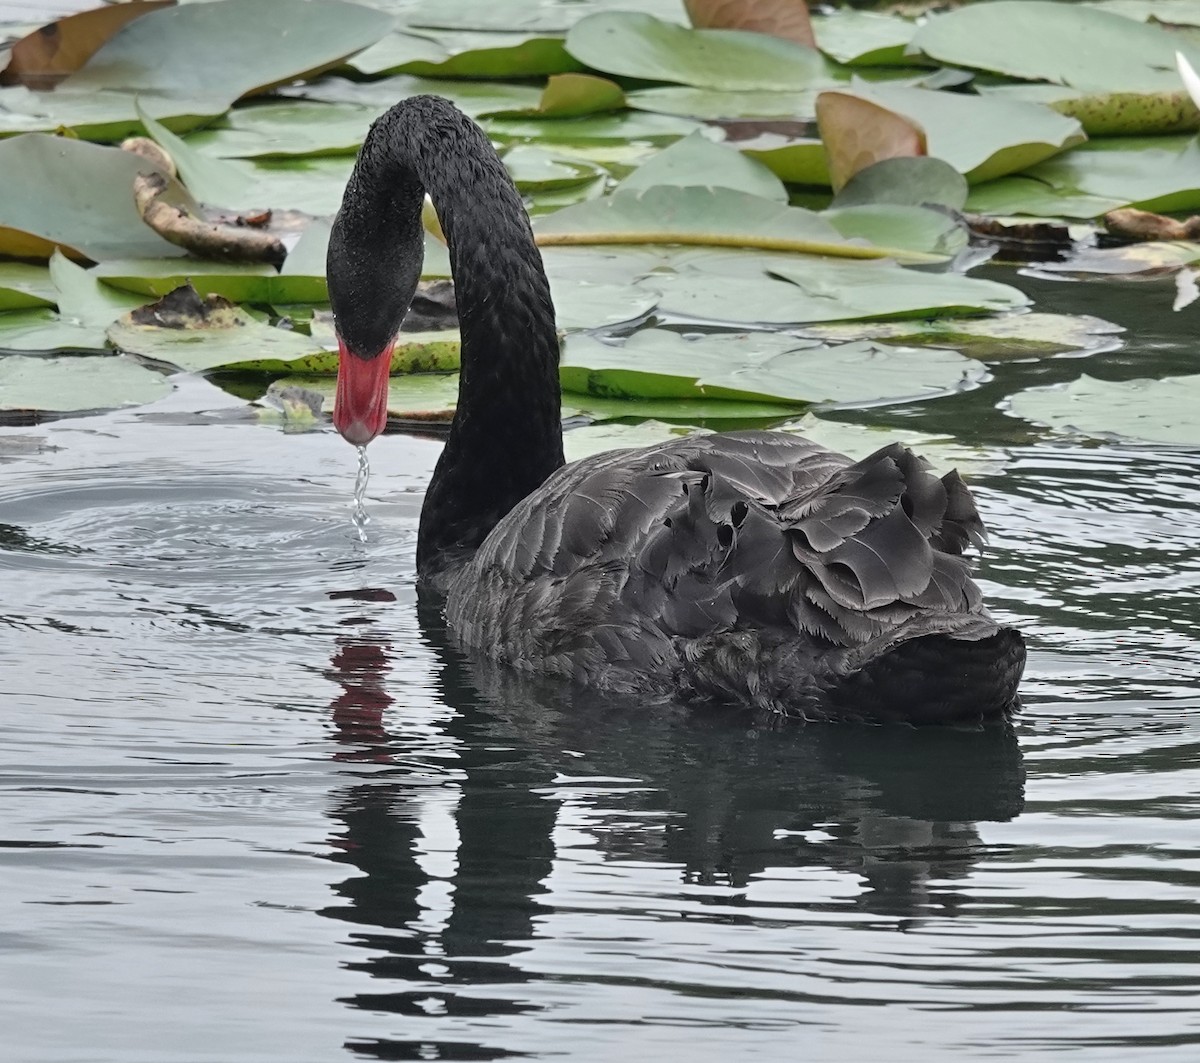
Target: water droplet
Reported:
point(359, 515)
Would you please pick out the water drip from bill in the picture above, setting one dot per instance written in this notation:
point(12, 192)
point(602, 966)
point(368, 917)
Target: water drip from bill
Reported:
point(359, 514)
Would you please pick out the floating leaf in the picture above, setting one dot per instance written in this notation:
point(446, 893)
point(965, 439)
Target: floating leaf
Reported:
point(546, 16)
point(859, 133)
point(46, 56)
point(593, 129)
point(1067, 44)
point(981, 137)
point(474, 98)
point(285, 128)
point(537, 170)
point(583, 304)
point(23, 287)
point(658, 364)
point(712, 104)
point(571, 96)
point(919, 230)
point(1147, 411)
point(475, 55)
point(1154, 257)
point(641, 46)
point(217, 182)
point(864, 38)
point(76, 384)
point(1111, 113)
point(989, 339)
point(907, 182)
point(696, 160)
point(744, 287)
point(79, 196)
point(694, 215)
point(798, 162)
point(785, 19)
point(189, 63)
point(239, 283)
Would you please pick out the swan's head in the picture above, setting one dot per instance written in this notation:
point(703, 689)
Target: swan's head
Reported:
point(360, 409)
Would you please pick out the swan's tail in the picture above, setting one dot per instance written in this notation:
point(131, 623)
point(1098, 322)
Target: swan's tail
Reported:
point(968, 672)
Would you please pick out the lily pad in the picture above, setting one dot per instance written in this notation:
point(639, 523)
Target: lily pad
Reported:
point(193, 60)
point(597, 438)
point(537, 170)
point(239, 283)
point(1110, 113)
point(1145, 411)
point(695, 215)
point(981, 137)
point(75, 384)
point(468, 54)
point(911, 182)
point(799, 161)
point(864, 38)
point(798, 289)
point(286, 128)
point(1066, 44)
point(583, 304)
point(658, 364)
point(713, 104)
point(571, 96)
point(641, 46)
point(913, 229)
point(75, 195)
point(989, 339)
point(593, 129)
point(696, 160)
point(23, 287)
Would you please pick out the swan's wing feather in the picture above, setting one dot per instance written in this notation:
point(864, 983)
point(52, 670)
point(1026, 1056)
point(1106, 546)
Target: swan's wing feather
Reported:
point(629, 550)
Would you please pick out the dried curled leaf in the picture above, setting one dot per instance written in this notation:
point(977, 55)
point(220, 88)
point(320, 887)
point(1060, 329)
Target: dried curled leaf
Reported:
point(47, 55)
point(858, 133)
point(226, 243)
point(787, 19)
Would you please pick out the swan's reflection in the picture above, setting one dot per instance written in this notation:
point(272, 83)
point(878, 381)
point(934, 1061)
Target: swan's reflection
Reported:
point(453, 848)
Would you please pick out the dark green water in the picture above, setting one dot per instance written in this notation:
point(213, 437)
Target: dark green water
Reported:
point(254, 810)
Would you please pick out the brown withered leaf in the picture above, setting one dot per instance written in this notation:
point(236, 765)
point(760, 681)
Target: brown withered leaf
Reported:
point(1037, 241)
point(787, 19)
point(1142, 225)
point(858, 133)
point(43, 58)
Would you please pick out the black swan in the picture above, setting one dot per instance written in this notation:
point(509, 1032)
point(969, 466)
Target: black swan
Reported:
point(751, 568)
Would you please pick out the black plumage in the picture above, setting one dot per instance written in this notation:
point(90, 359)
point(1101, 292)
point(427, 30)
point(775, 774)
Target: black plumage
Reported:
point(755, 568)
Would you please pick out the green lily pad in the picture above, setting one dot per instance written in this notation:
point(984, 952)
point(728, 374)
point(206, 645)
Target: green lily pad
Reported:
point(1173, 12)
point(76, 384)
point(641, 46)
point(42, 331)
point(1144, 411)
point(1108, 114)
point(537, 170)
point(468, 54)
point(581, 304)
point(864, 38)
point(1066, 44)
point(285, 128)
point(989, 339)
point(696, 160)
point(593, 129)
point(915, 229)
point(571, 96)
point(658, 364)
point(192, 61)
point(799, 161)
point(75, 195)
point(217, 182)
point(474, 98)
point(733, 286)
point(696, 215)
point(241, 344)
point(515, 16)
point(981, 137)
point(711, 104)
point(23, 287)
point(914, 182)
point(1027, 195)
point(240, 283)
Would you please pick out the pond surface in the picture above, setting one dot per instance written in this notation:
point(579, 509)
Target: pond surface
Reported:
point(254, 809)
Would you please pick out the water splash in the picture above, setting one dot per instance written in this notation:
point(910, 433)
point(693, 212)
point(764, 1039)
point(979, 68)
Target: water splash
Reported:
point(359, 514)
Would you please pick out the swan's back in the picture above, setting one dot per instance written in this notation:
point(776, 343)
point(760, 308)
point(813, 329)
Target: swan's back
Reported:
point(754, 567)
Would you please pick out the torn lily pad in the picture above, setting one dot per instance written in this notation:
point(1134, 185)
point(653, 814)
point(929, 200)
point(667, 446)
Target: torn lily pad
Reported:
point(1141, 411)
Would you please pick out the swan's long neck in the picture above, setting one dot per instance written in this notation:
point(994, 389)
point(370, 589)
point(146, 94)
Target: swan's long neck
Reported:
point(506, 436)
